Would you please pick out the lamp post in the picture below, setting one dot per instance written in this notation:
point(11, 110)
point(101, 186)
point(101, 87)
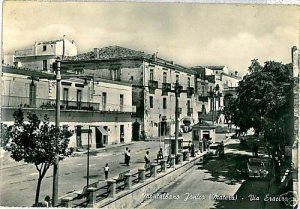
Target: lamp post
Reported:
point(177, 90)
point(57, 122)
point(88, 160)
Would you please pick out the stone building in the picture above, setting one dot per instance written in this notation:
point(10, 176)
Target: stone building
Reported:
point(105, 121)
point(214, 86)
point(151, 77)
point(42, 54)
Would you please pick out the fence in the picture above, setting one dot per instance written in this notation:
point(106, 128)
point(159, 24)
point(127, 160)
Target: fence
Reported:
point(125, 181)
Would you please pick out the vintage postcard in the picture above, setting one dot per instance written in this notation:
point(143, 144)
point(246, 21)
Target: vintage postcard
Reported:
point(149, 105)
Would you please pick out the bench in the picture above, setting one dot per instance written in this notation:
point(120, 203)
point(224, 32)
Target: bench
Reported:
point(83, 193)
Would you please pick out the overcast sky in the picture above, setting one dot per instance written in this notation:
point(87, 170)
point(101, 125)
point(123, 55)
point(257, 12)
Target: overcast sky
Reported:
point(188, 34)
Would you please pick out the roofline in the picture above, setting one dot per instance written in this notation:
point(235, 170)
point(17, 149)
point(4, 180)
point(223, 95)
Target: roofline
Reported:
point(139, 58)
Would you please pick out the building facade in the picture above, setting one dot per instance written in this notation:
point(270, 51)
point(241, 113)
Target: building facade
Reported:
point(41, 55)
point(96, 109)
point(214, 86)
point(152, 79)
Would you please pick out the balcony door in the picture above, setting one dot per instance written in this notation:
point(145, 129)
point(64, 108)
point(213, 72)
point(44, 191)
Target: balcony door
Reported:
point(79, 98)
point(65, 97)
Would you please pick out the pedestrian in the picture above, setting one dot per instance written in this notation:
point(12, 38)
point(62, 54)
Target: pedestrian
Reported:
point(47, 202)
point(193, 150)
point(255, 150)
point(147, 160)
point(128, 158)
point(160, 154)
point(125, 155)
point(106, 169)
point(189, 146)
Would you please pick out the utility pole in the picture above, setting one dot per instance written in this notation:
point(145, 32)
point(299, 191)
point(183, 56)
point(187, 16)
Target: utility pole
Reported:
point(177, 93)
point(57, 123)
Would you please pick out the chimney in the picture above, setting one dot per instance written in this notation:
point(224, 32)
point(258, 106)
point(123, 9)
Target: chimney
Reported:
point(96, 53)
point(154, 56)
point(34, 49)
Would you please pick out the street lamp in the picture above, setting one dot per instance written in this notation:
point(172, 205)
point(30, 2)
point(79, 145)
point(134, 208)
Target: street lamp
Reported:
point(57, 122)
point(177, 90)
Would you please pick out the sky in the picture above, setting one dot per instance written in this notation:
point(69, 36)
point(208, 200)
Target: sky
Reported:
point(187, 33)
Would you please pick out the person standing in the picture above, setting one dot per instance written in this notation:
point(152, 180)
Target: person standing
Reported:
point(106, 169)
point(128, 158)
point(147, 160)
point(47, 201)
point(125, 155)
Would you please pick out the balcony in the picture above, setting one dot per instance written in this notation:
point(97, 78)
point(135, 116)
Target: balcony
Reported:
point(190, 92)
point(203, 98)
point(189, 111)
point(39, 103)
point(166, 87)
point(153, 85)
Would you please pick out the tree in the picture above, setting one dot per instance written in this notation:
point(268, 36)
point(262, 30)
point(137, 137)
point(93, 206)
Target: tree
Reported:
point(264, 97)
point(37, 142)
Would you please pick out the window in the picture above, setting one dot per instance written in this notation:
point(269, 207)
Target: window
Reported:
point(44, 64)
point(151, 101)
point(164, 103)
point(121, 102)
point(164, 77)
point(65, 97)
point(177, 78)
point(79, 97)
point(114, 74)
point(151, 74)
point(44, 48)
point(189, 82)
point(104, 101)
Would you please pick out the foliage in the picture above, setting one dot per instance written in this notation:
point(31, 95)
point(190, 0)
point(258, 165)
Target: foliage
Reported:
point(264, 98)
point(37, 142)
point(4, 134)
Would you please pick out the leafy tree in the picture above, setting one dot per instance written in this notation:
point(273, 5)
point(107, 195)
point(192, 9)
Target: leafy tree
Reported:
point(4, 134)
point(37, 142)
point(265, 98)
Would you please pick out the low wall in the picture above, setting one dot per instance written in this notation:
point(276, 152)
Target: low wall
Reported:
point(134, 197)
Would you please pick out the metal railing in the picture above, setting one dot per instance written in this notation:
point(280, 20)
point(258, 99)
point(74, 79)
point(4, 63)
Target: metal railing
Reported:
point(42, 103)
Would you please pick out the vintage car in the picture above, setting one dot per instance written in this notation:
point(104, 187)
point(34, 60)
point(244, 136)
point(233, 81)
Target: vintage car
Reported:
point(258, 168)
point(215, 150)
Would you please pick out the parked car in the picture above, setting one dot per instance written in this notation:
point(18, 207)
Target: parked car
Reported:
point(258, 168)
point(215, 150)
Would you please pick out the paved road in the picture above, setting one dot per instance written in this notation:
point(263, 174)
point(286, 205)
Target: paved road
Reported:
point(196, 188)
point(18, 182)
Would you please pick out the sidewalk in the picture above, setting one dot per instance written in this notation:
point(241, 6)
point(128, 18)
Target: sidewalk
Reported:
point(100, 150)
point(7, 162)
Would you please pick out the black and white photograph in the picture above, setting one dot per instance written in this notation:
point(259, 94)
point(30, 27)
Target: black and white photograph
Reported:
point(149, 105)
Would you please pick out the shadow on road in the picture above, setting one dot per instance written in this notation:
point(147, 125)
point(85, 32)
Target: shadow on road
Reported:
point(231, 168)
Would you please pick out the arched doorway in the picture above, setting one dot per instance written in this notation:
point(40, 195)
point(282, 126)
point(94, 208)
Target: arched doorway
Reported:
point(136, 131)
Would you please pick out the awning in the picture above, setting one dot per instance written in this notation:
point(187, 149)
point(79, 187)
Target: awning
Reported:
point(102, 130)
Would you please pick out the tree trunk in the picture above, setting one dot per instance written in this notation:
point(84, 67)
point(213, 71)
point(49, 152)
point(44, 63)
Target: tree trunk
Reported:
point(37, 193)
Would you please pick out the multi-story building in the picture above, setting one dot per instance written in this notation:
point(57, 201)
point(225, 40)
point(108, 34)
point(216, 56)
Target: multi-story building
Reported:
point(96, 107)
point(41, 55)
point(152, 79)
point(214, 85)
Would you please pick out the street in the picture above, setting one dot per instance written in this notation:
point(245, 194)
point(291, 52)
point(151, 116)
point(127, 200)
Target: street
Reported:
point(18, 182)
point(224, 178)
